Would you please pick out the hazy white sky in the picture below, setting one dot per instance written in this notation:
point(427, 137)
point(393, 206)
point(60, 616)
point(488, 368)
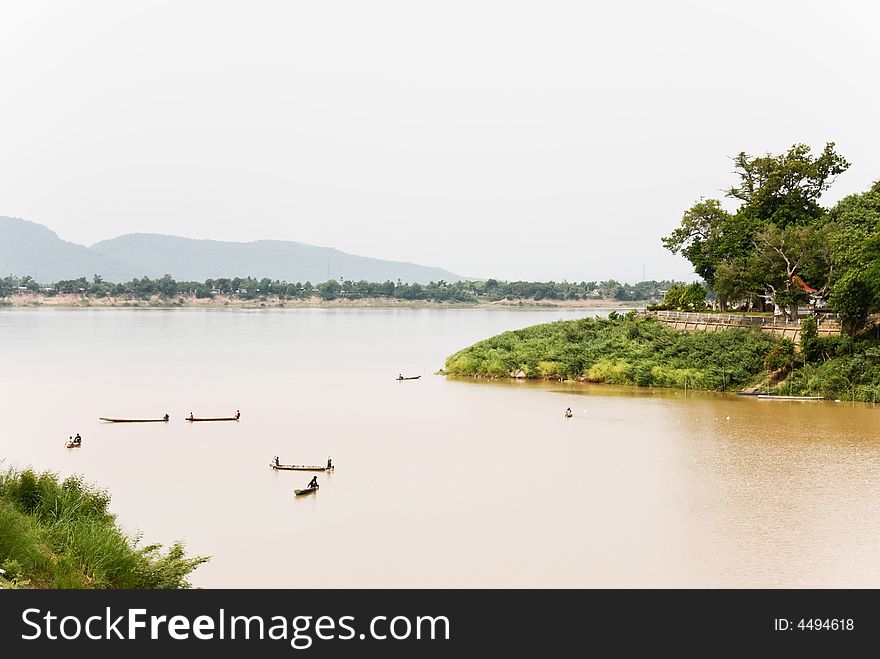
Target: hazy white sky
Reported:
point(534, 140)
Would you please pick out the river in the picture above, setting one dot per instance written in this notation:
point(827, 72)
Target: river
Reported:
point(439, 482)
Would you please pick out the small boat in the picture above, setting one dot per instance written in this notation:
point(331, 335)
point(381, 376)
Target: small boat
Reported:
point(775, 397)
point(568, 415)
point(749, 393)
point(307, 490)
point(216, 418)
point(300, 467)
point(108, 420)
point(73, 444)
point(400, 378)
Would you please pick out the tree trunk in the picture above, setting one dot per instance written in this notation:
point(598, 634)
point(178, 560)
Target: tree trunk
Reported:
point(793, 311)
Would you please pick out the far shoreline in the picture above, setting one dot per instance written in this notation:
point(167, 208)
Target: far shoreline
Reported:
point(68, 301)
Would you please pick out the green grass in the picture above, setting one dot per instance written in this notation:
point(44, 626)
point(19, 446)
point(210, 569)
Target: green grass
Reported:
point(839, 367)
point(627, 350)
point(60, 534)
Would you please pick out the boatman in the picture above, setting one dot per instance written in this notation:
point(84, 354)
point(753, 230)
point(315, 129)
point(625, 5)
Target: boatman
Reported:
point(77, 439)
point(568, 411)
point(313, 482)
point(166, 417)
point(237, 415)
point(191, 417)
point(277, 463)
point(329, 464)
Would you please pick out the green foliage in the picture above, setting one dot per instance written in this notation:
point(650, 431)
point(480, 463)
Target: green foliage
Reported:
point(811, 347)
point(777, 233)
point(620, 350)
point(61, 535)
point(680, 297)
point(847, 369)
point(780, 356)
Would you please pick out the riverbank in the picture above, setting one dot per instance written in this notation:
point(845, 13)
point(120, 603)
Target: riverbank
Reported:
point(628, 350)
point(641, 351)
point(61, 535)
point(274, 302)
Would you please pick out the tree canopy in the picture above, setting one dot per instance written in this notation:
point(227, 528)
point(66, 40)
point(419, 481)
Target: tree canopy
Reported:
point(780, 243)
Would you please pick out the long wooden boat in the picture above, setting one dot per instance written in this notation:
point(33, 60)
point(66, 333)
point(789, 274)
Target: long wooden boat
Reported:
point(300, 467)
point(749, 393)
point(218, 418)
point(73, 444)
point(775, 397)
point(108, 420)
point(307, 490)
point(415, 377)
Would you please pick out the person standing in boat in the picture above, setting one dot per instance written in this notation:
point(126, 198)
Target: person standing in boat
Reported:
point(277, 461)
point(237, 415)
point(329, 464)
point(313, 482)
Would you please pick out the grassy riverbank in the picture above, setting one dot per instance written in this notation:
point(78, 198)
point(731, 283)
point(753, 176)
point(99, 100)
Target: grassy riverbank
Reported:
point(632, 350)
point(60, 534)
point(624, 350)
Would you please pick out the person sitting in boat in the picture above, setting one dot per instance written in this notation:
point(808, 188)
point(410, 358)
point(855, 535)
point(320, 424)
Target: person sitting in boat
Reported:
point(237, 415)
point(166, 417)
point(400, 376)
point(568, 411)
point(329, 463)
point(190, 417)
point(313, 482)
point(77, 439)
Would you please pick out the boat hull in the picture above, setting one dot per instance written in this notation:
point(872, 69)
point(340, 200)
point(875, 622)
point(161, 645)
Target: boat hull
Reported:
point(774, 397)
point(299, 467)
point(307, 490)
point(133, 420)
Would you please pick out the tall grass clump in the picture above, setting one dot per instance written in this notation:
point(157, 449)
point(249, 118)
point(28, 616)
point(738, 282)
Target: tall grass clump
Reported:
point(60, 534)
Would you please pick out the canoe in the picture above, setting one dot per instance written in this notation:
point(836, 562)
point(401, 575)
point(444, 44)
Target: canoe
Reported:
point(299, 467)
point(307, 490)
point(775, 397)
point(415, 377)
point(73, 445)
point(103, 418)
point(749, 393)
point(568, 416)
point(219, 418)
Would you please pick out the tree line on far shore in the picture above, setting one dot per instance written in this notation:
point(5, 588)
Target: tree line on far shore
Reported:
point(249, 288)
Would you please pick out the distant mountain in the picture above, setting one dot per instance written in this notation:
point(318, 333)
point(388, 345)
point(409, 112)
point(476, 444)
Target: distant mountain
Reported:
point(32, 249)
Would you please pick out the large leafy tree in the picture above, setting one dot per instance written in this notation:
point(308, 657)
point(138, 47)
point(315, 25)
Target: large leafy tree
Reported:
point(771, 236)
point(852, 236)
